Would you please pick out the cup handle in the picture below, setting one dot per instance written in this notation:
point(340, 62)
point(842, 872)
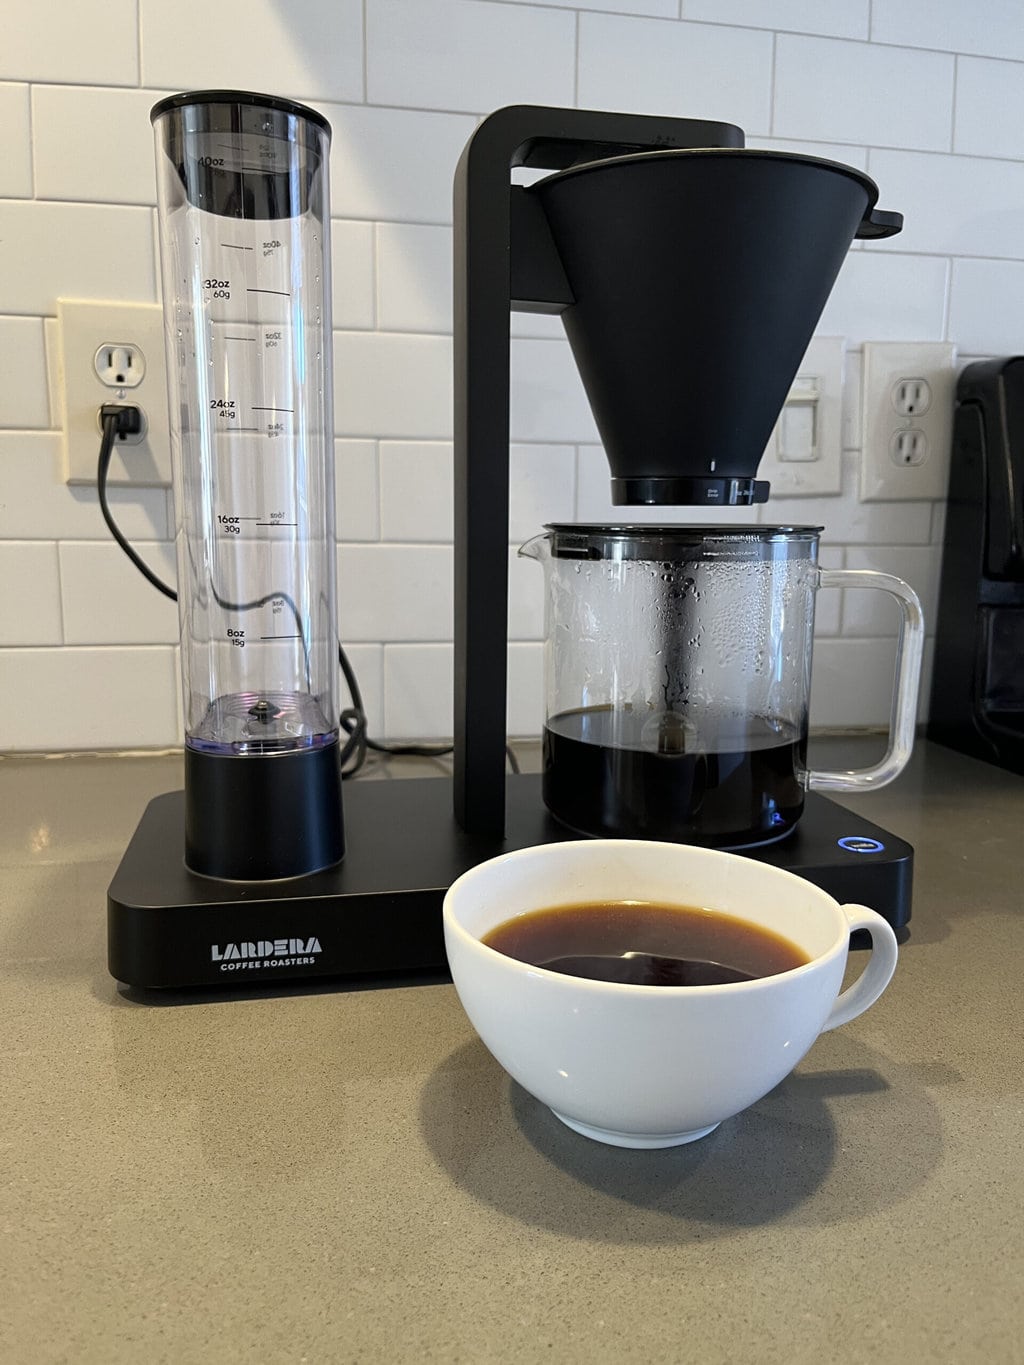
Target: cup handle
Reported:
point(875, 976)
point(909, 651)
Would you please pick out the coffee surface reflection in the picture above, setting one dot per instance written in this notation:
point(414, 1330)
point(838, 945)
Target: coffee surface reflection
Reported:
point(645, 943)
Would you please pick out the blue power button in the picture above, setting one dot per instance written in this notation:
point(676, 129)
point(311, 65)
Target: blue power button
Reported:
point(860, 843)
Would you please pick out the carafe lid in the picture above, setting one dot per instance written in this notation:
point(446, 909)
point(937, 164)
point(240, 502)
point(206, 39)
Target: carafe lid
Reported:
point(680, 543)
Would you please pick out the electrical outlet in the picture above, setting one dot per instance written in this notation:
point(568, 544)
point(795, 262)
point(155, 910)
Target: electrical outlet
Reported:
point(120, 366)
point(109, 353)
point(908, 391)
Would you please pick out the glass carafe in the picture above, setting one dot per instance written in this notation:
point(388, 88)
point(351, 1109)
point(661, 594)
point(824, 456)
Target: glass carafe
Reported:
point(678, 674)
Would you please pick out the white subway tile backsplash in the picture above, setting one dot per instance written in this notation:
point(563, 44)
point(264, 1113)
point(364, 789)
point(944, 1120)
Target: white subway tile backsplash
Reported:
point(24, 398)
point(68, 41)
point(543, 488)
point(352, 275)
point(953, 205)
point(852, 438)
point(395, 592)
point(30, 600)
point(990, 27)
point(16, 163)
point(867, 612)
point(989, 108)
point(85, 251)
point(811, 72)
point(986, 307)
point(416, 490)
point(885, 106)
point(846, 20)
point(938, 523)
point(394, 164)
point(66, 699)
point(882, 296)
point(368, 665)
point(36, 505)
point(390, 385)
point(467, 54)
point(418, 691)
point(107, 601)
point(543, 325)
point(524, 714)
point(357, 490)
point(314, 52)
point(93, 145)
point(649, 66)
point(547, 401)
point(851, 682)
point(525, 598)
point(414, 277)
point(829, 601)
point(666, 9)
point(848, 521)
point(844, 152)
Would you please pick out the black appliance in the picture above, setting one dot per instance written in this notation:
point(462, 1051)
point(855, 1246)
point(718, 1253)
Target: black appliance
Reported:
point(977, 701)
point(735, 285)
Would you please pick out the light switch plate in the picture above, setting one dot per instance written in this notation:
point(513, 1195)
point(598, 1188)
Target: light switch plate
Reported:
point(817, 391)
point(907, 397)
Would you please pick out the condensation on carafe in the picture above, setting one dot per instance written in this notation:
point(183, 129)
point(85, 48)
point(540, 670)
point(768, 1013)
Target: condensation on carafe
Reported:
point(729, 652)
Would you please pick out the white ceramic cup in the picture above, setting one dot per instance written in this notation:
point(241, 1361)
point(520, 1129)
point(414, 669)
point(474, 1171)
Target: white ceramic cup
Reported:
point(654, 1066)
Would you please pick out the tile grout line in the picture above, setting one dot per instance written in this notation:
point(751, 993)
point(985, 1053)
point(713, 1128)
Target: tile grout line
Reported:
point(30, 92)
point(139, 82)
point(366, 58)
point(576, 60)
point(952, 103)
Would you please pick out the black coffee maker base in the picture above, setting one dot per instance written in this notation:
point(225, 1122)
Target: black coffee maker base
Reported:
point(379, 912)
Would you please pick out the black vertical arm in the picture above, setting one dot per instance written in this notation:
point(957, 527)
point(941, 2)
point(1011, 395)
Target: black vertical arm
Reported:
point(483, 298)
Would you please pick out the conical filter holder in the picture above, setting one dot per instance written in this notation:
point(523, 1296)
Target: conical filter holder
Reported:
point(698, 277)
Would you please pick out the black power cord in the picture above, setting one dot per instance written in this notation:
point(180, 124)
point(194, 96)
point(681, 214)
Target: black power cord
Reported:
point(124, 419)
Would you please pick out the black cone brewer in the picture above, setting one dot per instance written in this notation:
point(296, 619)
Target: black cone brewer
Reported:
point(678, 261)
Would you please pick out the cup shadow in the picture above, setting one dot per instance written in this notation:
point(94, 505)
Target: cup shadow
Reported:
point(779, 1161)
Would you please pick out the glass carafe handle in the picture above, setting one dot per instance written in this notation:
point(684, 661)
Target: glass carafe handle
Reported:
point(909, 649)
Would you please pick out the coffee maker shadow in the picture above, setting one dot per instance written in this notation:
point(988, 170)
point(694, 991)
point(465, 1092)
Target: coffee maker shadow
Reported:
point(782, 1161)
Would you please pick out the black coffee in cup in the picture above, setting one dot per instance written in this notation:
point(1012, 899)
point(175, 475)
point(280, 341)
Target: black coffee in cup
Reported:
point(645, 943)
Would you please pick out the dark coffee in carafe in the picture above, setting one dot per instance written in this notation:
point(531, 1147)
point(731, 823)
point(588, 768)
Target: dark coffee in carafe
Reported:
point(742, 784)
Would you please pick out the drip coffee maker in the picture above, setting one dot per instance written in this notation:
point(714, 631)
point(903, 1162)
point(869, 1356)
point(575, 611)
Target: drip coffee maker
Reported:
point(676, 258)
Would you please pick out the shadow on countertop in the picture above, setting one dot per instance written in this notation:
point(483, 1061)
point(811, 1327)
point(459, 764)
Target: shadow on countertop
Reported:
point(779, 1161)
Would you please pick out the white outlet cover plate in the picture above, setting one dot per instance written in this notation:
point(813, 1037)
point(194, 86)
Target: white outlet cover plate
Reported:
point(82, 327)
point(823, 365)
point(885, 364)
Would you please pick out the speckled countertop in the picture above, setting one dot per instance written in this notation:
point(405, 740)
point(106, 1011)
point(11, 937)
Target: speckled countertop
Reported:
point(334, 1176)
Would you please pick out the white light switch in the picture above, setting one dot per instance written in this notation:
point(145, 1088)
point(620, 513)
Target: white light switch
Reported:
point(803, 457)
point(797, 429)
